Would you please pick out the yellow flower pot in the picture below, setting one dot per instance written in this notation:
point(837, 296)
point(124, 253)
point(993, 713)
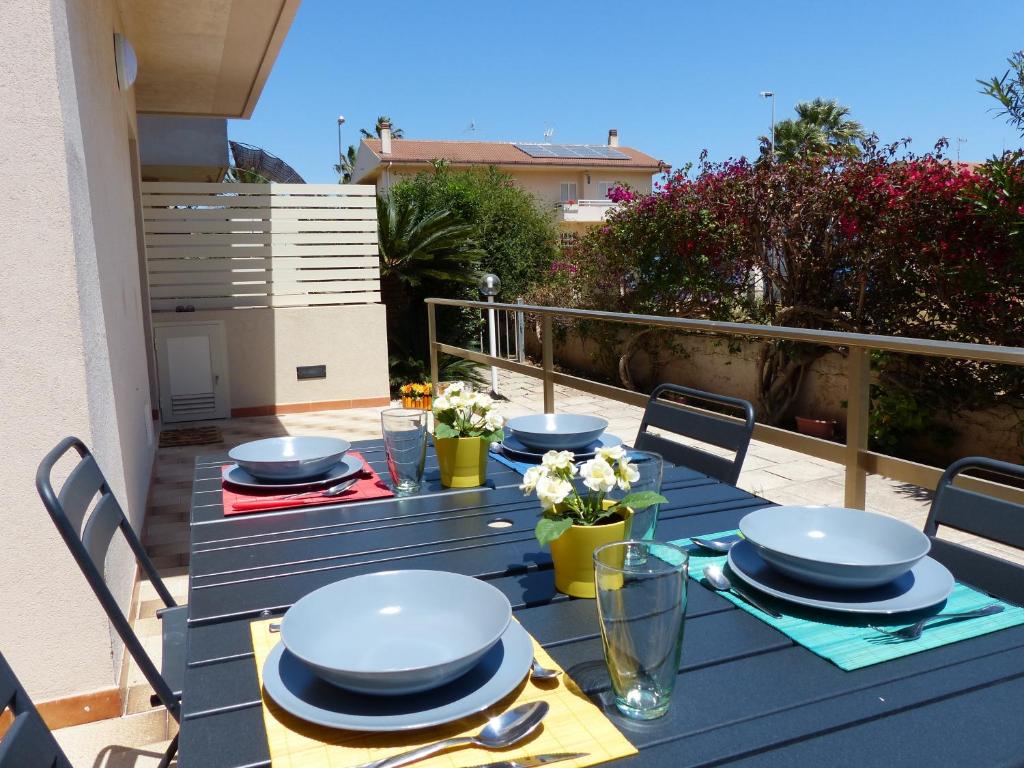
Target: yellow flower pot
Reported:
point(573, 554)
point(463, 461)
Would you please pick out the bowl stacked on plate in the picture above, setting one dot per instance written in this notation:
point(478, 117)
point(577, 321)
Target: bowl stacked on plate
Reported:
point(530, 437)
point(839, 559)
point(396, 632)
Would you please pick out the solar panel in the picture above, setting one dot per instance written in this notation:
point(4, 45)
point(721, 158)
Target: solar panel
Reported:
point(573, 151)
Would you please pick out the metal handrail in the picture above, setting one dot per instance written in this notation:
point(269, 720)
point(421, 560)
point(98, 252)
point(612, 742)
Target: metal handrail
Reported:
point(855, 456)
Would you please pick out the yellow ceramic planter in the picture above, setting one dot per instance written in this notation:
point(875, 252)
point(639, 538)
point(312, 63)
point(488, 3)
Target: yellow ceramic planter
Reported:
point(573, 555)
point(463, 461)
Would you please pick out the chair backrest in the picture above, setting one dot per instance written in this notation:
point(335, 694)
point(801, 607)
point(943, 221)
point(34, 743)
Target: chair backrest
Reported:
point(25, 741)
point(88, 530)
point(705, 427)
point(982, 515)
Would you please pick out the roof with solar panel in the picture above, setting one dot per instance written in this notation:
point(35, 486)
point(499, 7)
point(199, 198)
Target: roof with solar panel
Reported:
point(416, 151)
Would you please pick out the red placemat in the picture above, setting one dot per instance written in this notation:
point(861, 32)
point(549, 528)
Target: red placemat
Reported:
point(244, 502)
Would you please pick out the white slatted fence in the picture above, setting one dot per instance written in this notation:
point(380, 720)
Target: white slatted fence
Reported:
point(226, 246)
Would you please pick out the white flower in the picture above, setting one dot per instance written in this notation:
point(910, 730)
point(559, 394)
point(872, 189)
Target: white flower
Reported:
point(441, 403)
point(558, 460)
point(493, 421)
point(455, 387)
point(482, 400)
point(611, 453)
point(552, 490)
point(530, 479)
point(598, 475)
point(627, 473)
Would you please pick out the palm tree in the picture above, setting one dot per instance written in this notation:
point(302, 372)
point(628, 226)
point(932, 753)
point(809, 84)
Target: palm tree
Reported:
point(348, 164)
point(421, 252)
point(396, 133)
point(821, 125)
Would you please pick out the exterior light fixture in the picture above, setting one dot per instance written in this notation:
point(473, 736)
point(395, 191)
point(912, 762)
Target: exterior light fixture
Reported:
point(490, 286)
point(125, 62)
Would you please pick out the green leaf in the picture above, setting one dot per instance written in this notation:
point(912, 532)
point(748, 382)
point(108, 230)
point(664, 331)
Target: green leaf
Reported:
point(444, 430)
point(550, 528)
point(642, 500)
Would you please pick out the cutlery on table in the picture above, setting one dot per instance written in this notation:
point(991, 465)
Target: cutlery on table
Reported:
point(715, 545)
point(716, 577)
point(537, 672)
point(914, 630)
point(500, 732)
point(535, 760)
point(327, 493)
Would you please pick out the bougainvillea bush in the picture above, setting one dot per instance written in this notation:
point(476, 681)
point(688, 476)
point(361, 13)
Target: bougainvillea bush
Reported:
point(888, 242)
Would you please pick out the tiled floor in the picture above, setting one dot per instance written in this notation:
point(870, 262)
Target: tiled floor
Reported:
point(780, 475)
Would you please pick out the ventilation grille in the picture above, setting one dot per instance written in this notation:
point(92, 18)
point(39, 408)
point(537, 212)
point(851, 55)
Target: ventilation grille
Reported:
point(195, 406)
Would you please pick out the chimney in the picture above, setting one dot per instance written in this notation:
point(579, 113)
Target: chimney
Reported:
point(613, 137)
point(385, 138)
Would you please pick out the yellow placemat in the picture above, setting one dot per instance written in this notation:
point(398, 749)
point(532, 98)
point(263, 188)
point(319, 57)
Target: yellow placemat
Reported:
point(573, 724)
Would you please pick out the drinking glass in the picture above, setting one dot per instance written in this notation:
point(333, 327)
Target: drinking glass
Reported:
point(641, 601)
point(651, 466)
point(405, 444)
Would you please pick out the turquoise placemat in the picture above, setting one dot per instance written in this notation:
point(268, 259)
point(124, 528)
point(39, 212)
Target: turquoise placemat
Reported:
point(848, 642)
point(518, 466)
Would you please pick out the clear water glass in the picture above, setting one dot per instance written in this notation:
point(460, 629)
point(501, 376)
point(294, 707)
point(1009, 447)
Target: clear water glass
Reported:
point(651, 467)
point(641, 602)
point(405, 445)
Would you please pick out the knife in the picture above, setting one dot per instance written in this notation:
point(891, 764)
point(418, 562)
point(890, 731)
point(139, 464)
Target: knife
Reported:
point(533, 762)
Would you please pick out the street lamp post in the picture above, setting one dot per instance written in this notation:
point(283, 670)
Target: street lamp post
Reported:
point(771, 136)
point(490, 286)
point(341, 165)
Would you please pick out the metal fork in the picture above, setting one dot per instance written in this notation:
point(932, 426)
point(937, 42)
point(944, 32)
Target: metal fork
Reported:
point(914, 630)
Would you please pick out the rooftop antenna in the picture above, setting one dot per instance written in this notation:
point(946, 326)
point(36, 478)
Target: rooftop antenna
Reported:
point(549, 131)
point(472, 128)
point(959, 141)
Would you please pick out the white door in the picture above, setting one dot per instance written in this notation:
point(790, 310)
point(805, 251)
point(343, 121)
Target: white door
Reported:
point(191, 361)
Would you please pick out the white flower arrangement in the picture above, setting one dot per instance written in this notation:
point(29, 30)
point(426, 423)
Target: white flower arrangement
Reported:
point(461, 412)
point(562, 503)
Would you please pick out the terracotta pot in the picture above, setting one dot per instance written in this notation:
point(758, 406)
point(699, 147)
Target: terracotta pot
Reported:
point(573, 554)
point(462, 460)
point(823, 428)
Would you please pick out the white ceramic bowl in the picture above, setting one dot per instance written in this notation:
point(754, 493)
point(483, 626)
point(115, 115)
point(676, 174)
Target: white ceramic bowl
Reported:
point(556, 431)
point(833, 546)
point(289, 458)
point(396, 632)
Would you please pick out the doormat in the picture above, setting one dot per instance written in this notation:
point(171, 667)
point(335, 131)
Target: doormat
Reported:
point(176, 438)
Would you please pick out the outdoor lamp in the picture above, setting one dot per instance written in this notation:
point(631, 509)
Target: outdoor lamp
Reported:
point(490, 285)
point(126, 63)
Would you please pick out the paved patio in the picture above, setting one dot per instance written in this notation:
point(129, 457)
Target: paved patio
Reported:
point(138, 738)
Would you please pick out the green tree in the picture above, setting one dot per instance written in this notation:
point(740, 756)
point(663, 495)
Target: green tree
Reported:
point(821, 125)
point(518, 238)
point(423, 252)
point(348, 164)
point(1008, 90)
point(396, 133)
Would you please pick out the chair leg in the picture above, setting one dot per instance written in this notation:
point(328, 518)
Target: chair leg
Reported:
point(172, 750)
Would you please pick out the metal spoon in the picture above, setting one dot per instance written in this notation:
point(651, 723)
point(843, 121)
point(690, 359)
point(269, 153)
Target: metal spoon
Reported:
point(715, 545)
point(537, 672)
point(716, 577)
point(334, 490)
point(500, 732)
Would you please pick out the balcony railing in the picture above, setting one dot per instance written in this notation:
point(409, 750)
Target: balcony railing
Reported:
point(854, 455)
point(585, 210)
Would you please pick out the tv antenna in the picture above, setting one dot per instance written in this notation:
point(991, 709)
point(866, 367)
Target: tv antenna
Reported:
point(549, 131)
point(472, 129)
point(960, 141)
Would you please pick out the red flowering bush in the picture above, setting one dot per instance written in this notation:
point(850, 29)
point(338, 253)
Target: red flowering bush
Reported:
point(903, 245)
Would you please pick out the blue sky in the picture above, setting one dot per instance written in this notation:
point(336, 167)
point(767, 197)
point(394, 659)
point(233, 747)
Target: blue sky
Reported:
point(673, 77)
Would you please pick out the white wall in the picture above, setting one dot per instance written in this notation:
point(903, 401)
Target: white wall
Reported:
point(72, 352)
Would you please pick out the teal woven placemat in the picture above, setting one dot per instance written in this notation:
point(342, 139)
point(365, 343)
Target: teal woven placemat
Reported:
point(848, 642)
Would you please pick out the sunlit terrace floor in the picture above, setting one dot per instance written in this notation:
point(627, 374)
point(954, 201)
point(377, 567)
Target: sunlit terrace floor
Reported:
point(138, 738)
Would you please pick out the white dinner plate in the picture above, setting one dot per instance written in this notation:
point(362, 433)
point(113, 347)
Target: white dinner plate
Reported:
point(347, 467)
point(300, 692)
point(926, 584)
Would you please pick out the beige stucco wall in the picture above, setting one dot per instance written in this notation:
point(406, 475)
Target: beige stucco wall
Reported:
point(266, 345)
point(73, 354)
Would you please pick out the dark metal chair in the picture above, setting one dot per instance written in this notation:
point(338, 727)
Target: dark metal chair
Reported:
point(27, 743)
point(981, 515)
point(88, 535)
point(705, 427)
